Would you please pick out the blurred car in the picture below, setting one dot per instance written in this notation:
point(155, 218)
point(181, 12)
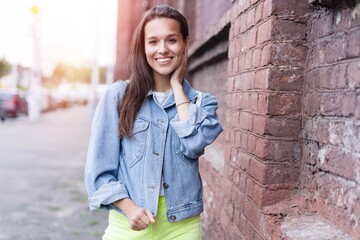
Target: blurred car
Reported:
point(12, 103)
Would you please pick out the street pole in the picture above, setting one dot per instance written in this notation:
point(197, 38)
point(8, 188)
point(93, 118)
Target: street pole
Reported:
point(34, 88)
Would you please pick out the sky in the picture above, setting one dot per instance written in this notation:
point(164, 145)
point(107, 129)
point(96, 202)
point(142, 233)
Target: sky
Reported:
point(70, 31)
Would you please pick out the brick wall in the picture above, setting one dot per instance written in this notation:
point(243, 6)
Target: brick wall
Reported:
point(331, 125)
point(129, 15)
point(286, 75)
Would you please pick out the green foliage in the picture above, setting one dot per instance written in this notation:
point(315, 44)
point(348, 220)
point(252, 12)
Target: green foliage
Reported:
point(5, 67)
point(63, 72)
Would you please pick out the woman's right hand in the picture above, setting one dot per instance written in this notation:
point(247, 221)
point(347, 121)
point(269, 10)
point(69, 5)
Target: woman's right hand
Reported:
point(138, 218)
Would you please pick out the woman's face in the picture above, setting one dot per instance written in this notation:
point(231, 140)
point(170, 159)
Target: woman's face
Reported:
point(164, 46)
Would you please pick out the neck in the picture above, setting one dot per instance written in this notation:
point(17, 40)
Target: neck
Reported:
point(162, 83)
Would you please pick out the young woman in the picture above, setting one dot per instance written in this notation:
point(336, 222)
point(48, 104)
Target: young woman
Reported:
point(147, 136)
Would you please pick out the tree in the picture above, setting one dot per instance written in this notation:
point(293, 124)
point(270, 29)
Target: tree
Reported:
point(5, 67)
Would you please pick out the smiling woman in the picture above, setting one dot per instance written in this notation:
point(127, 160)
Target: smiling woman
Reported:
point(148, 134)
point(164, 48)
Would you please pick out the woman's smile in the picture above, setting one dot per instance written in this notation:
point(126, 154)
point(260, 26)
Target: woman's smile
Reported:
point(164, 61)
point(164, 46)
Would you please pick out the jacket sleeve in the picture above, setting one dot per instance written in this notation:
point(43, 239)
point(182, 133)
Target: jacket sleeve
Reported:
point(200, 130)
point(102, 179)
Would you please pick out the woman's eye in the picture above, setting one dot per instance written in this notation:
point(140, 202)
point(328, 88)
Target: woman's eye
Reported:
point(152, 42)
point(172, 40)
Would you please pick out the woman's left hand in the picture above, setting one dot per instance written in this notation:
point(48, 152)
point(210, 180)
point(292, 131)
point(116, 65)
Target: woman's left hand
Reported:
point(178, 75)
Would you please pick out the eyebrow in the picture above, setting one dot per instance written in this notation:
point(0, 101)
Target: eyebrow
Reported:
point(168, 36)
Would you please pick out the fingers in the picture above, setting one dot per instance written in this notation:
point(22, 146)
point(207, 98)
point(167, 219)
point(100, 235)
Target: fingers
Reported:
point(141, 219)
point(150, 216)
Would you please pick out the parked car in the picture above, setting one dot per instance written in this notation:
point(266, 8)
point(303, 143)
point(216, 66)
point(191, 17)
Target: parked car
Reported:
point(12, 103)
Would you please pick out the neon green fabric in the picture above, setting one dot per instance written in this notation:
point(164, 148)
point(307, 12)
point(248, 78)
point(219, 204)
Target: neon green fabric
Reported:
point(188, 229)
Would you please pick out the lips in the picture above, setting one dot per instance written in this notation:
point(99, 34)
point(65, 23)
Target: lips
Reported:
point(163, 60)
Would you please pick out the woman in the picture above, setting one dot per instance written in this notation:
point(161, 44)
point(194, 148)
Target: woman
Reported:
point(147, 136)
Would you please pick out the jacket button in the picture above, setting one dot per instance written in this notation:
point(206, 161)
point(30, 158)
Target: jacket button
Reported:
point(165, 185)
point(172, 218)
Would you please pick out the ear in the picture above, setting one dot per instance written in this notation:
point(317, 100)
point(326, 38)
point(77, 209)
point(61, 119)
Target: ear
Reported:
point(187, 43)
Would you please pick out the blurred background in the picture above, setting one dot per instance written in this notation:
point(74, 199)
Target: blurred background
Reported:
point(54, 53)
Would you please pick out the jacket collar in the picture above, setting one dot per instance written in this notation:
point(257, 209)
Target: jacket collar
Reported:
point(189, 91)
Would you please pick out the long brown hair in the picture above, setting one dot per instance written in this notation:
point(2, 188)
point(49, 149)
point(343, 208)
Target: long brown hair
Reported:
point(141, 74)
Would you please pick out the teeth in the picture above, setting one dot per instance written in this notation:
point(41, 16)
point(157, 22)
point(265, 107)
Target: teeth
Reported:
point(162, 60)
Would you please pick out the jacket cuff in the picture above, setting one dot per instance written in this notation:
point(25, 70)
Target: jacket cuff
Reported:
point(107, 194)
point(187, 127)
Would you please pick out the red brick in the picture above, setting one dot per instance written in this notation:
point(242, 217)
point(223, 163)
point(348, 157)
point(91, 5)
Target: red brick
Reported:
point(249, 187)
point(287, 30)
point(353, 46)
point(232, 49)
point(267, 9)
point(251, 143)
point(256, 58)
point(235, 65)
point(242, 27)
point(265, 55)
point(243, 5)
point(259, 124)
point(246, 121)
point(329, 157)
point(238, 45)
point(235, 28)
point(238, 138)
point(244, 140)
point(353, 73)
point(230, 86)
point(320, 26)
point(249, 39)
point(250, 21)
point(248, 60)
point(245, 101)
point(230, 68)
point(230, 210)
point(253, 101)
point(261, 79)
point(338, 103)
point(282, 173)
point(263, 102)
point(247, 80)
point(333, 77)
point(243, 223)
point(258, 12)
point(284, 104)
point(234, 12)
point(244, 161)
point(285, 79)
point(264, 32)
point(282, 151)
point(335, 49)
point(283, 127)
point(286, 54)
point(286, 8)
point(252, 213)
point(241, 63)
point(271, 197)
point(257, 170)
point(258, 195)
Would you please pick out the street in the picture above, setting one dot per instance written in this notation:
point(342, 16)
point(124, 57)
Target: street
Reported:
point(42, 190)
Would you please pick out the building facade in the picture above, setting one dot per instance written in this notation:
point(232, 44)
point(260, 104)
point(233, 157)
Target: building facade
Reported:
point(286, 74)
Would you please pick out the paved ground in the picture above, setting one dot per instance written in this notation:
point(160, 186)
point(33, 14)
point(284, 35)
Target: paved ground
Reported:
point(42, 193)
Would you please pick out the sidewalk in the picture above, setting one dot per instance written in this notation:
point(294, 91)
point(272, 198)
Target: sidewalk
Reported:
point(41, 179)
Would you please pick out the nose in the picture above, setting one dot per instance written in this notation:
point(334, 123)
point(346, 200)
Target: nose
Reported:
point(163, 48)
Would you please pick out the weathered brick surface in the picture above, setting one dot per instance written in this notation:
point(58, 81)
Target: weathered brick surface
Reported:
point(331, 129)
point(289, 96)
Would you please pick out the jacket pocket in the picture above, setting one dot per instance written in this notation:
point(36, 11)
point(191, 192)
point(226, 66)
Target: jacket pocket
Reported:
point(136, 142)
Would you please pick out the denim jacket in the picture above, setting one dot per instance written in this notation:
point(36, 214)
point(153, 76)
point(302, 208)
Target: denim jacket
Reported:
point(160, 146)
